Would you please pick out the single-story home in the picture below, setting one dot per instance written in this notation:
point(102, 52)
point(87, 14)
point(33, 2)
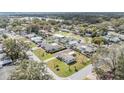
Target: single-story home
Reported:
point(87, 50)
point(51, 47)
point(68, 59)
point(37, 39)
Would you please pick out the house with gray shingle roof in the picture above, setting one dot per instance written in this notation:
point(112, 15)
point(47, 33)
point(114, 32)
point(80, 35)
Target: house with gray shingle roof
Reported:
point(68, 59)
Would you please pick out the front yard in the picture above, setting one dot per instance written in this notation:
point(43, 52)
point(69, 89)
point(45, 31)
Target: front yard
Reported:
point(64, 70)
point(41, 54)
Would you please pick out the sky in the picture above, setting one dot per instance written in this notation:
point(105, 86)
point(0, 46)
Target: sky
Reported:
point(61, 6)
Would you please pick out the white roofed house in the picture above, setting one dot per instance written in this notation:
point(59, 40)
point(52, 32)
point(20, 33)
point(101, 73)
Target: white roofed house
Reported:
point(37, 39)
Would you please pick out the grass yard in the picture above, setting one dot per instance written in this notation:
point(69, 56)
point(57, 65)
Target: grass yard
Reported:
point(64, 33)
point(23, 39)
point(88, 40)
point(32, 45)
point(41, 54)
point(67, 70)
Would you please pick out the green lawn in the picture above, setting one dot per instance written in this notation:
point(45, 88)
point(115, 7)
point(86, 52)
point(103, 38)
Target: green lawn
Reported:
point(64, 33)
point(31, 44)
point(64, 71)
point(41, 54)
point(88, 40)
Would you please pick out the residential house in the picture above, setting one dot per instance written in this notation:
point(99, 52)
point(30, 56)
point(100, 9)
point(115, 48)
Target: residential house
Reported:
point(37, 39)
point(51, 47)
point(87, 50)
point(68, 59)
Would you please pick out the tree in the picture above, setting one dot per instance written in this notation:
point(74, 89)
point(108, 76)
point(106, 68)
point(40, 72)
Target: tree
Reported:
point(4, 22)
point(109, 64)
point(4, 36)
point(98, 40)
point(30, 70)
point(16, 49)
point(33, 28)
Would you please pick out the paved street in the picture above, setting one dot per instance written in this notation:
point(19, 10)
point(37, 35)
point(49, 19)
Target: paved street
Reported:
point(82, 73)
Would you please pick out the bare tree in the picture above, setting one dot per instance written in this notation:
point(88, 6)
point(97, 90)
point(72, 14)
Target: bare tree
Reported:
point(29, 70)
point(109, 64)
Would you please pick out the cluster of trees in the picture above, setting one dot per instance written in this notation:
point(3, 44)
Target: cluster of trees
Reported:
point(98, 40)
point(15, 49)
point(25, 69)
point(30, 70)
point(4, 22)
point(113, 62)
